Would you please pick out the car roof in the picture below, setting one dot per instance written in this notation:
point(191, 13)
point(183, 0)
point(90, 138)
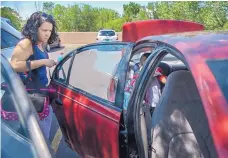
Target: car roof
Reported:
point(192, 44)
point(7, 52)
point(7, 27)
point(107, 30)
point(4, 19)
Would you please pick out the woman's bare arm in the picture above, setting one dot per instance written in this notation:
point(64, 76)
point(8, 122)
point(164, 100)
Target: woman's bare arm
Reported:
point(21, 53)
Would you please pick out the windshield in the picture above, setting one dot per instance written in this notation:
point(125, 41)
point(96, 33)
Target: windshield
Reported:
point(106, 33)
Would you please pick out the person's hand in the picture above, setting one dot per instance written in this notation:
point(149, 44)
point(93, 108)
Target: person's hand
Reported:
point(49, 63)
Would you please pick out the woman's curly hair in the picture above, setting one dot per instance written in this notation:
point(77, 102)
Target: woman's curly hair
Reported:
point(30, 29)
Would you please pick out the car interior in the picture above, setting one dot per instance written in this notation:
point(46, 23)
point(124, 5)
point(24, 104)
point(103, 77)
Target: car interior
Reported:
point(168, 65)
point(178, 125)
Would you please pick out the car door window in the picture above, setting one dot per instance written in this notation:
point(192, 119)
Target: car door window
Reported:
point(8, 39)
point(62, 70)
point(93, 68)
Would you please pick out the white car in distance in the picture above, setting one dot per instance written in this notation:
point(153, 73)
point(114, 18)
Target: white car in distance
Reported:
point(107, 35)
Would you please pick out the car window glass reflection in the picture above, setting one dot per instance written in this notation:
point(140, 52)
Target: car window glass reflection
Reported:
point(92, 68)
point(9, 39)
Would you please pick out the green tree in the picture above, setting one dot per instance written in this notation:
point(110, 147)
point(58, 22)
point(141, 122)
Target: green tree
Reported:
point(13, 16)
point(104, 17)
point(74, 17)
point(225, 27)
point(144, 14)
point(48, 7)
point(185, 10)
point(213, 15)
point(59, 13)
point(131, 11)
point(87, 19)
point(163, 10)
point(151, 6)
point(115, 24)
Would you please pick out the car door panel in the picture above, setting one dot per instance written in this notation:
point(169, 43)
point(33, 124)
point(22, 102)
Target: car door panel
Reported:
point(91, 128)
point(89, 122)
point(98, 127)
point(58, 110)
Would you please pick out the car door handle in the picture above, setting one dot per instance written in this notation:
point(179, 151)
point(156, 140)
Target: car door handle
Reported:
point(58, 101)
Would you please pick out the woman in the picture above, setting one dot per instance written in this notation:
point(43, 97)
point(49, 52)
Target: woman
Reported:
point(30, 53)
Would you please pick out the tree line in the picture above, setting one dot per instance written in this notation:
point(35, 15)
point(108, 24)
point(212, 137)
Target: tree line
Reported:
point(85, 18)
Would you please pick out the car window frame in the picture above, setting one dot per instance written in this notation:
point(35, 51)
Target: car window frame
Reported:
point(144, 79)
point(6, 42)
point(54, 76)
point(78, 90)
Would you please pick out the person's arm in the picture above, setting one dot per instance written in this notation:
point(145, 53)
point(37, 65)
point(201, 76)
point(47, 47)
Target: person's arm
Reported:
point(21, 53)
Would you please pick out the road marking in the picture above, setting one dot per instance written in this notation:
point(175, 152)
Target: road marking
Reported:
point(56, 141)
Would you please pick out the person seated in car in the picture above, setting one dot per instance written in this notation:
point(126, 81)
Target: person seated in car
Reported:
point(153, 93)
point(137, 67)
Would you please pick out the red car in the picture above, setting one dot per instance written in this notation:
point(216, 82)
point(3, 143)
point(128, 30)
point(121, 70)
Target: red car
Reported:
point(191, 118)
point(189, 121)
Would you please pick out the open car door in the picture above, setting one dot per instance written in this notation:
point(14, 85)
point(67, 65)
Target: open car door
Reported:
point(88, 120)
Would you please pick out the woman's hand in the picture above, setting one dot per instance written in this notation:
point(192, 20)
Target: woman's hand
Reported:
point(49, 62)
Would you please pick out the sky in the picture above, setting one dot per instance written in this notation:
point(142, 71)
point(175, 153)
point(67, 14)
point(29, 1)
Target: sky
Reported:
point(26, 8)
